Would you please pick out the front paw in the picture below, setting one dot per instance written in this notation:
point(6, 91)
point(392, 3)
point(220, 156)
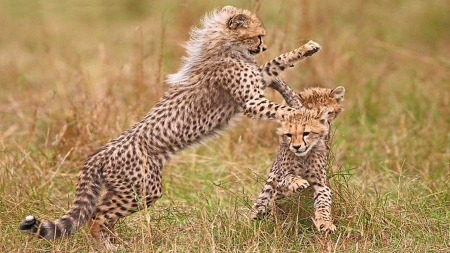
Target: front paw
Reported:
point(311, 48)
point(325, 226)
point(298, 185)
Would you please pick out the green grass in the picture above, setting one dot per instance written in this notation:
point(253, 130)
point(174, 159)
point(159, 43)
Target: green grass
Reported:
point(75, 75)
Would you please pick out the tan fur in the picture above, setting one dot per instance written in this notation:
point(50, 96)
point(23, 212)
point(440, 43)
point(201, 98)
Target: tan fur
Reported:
point(219, 80)
point(303, 130)
point(303, 155)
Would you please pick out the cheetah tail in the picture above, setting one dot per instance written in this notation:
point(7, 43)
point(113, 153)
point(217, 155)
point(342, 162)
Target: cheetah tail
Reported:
point(87, 192)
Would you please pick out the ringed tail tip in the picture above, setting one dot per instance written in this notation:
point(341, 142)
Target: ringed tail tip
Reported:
point(30, 223)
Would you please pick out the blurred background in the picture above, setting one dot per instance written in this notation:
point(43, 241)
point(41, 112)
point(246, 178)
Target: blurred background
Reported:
point(75, 74)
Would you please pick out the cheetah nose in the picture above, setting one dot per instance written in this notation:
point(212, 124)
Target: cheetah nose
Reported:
point(264, 49)
point(296, 147)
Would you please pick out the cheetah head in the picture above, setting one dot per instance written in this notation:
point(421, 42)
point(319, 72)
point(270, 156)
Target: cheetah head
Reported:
point(304, 128)
point(318, 97)
point(245, 28)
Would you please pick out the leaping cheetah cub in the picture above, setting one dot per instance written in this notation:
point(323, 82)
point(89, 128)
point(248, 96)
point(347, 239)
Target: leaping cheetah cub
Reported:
point(303, 155)
point(218, 81)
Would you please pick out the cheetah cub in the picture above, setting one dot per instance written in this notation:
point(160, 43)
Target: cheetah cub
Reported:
point(303, 155)
point(219, 80)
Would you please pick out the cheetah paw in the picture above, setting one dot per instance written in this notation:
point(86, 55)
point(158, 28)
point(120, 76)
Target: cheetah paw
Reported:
point(311, 48)
point(326, 226)
point(258, 213)
point(298, 184)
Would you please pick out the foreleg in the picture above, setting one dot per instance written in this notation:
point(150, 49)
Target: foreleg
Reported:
point(271, 70)
point(322, 208)
point(289, 95)
point(265, 201)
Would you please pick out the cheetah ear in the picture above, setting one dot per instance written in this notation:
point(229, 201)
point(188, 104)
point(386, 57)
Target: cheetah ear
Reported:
point(322, 115)
point(237, 21)
point(229, 8)
point(338, 93)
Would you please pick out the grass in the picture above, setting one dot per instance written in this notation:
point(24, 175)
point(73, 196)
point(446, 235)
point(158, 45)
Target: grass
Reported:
point(75, 75)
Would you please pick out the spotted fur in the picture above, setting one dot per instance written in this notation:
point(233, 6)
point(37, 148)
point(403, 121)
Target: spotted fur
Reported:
point(273, 68)
point(219, 79)
point(303, 155)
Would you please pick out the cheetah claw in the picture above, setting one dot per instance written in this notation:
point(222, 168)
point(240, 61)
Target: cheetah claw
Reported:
point(311, 48)
point(298, 185)
point(326, 226)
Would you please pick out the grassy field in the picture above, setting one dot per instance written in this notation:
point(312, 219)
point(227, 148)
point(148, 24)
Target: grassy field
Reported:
point(75, 74)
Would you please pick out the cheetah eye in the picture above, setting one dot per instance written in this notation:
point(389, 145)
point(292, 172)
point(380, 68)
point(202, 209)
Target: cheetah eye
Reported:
point(288, 135)
point(305, 133)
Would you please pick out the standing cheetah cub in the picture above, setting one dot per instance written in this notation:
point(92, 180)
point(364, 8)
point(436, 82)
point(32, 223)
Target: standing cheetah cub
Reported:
point(218, 81)
point(303, 155)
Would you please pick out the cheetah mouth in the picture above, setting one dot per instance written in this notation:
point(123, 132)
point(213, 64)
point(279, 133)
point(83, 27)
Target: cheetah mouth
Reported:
point(253, 52)
point(301, 153)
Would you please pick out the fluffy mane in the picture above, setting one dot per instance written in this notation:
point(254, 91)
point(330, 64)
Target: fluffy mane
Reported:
point(213, 38)
point(209, 34)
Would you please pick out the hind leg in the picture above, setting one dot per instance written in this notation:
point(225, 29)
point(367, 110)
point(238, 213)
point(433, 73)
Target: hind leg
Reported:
point(115, 205)
point(112, 207)
point(108, 213)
